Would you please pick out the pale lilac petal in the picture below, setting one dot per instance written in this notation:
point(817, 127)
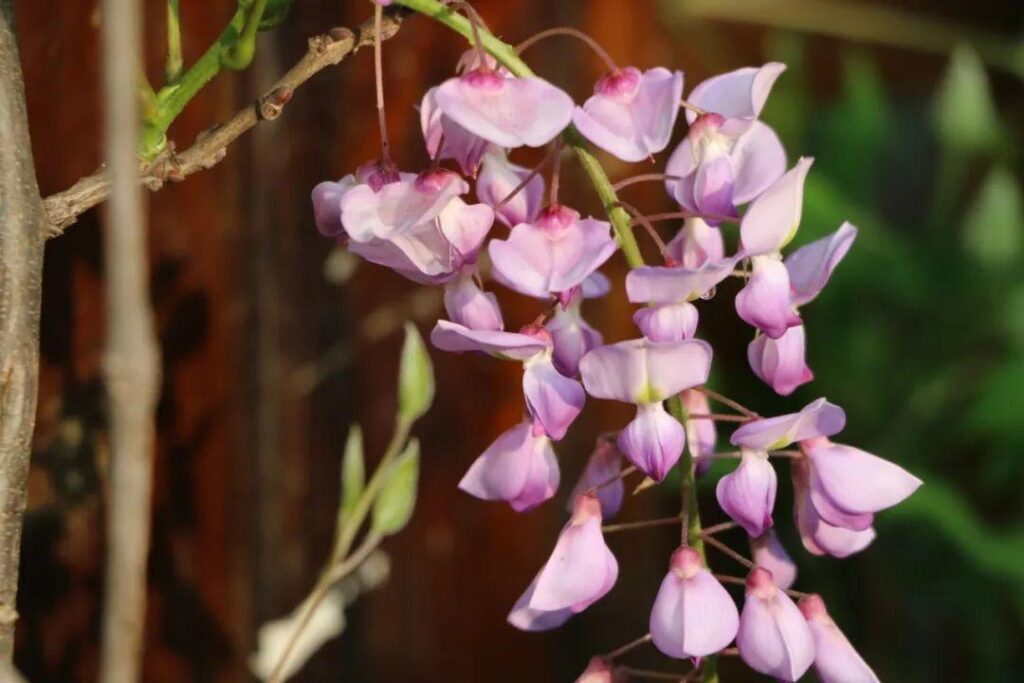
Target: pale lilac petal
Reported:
point(811, 265)
point(631, 115)
point(701, 435)
point(773, 218)
point(577, 573)
point(525, 618)
point(595, 285)
point(327, 205)
point(857, 482)
point(758, 160)
point(465, 226)
point(671, 284)
point(780, 362)
point(667, 322)
point(696, 244)
point(553, 399)
point(739, 94)
point(389, 254)
point(693, 615)
point(713, 188)
point(398, 206)
point(449, 336)
point(430, 123)
point(767, 552)
point(773, 637)
point(818, 418)
point(470, 306)
point(835, 659)
point(653, 441)
point(507, 111)
point(498, 177)
point(747, 494)
point(818, 536)
point(553, 255)
point(573, 337)
point(640, 371)
point(604, 464)
point(519, 467)
point(764, 301)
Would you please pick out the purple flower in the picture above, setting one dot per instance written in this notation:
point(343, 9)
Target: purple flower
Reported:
point(573, 336)
point(764, 301)
point(747, 494)
point(327, 205)
point(773, 636)
point(553, 400)
point(818, 418)
point(520, 467)
point(456, 142)
point(468, 305)
point(696, 244)
point(818, 536)
point(631, 114)
point(581, 569)
point(767, 552)
point(503, 109)
point(780, 362)
point(605, 463)
point(773, 218)
point(672, 284)
point(667, 322)
point(399, 206)
point(835, 659)
point(526, 618)
point(693, 615)
point(553, 254)
point(646, 373)
point(498, 177)
point(811, 265)
point(701, 435)
point(738, 95)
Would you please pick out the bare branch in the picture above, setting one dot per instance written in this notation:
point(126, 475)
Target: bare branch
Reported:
point(64, 208)
point(131, 361)
point(22, 223)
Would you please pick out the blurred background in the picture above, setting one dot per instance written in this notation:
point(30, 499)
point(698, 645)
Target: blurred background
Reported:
point(274, 343)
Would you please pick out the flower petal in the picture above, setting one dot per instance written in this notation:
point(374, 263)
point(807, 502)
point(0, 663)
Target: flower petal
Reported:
point(818, 418)
point(747, 494)
point(653, 441)
point(449, 336)
point(773, 218)
point(780, 362)
point(553, 399)
point(498, 177)
point(811, 265)
point(764, 300)
point(641, 371)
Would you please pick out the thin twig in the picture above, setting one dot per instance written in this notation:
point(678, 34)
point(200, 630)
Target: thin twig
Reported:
point(210, 146)
point(643, 177)
point(643, 524)
point(726, 550)
point(719, 417)
point(718, 528)
point(725, 400)
point(631, 645)
point(131, 361)
point(611, 480)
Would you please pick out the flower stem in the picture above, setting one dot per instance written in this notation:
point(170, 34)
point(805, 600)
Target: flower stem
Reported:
point(174, 65)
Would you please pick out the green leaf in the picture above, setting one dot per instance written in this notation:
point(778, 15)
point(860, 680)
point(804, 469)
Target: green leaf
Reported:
point(965, 113)
point(353, 471)
point(415, 377)
point(994, 223)
point(394, 505)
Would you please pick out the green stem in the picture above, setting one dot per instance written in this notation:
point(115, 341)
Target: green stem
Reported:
point(239, 54)
point(174, 64)
point(509, 58)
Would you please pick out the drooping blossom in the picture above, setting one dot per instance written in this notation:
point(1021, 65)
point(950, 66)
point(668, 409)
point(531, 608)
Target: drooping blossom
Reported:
point(631, 114)
point(552, 255)
point(764, 301)
point(671, 289)
point(728, 157)
point(811, 266)
point(697, 243)
point(573, 336)
point(455, 142)
point(766, 550)
point(520, 467)
point(667, 322)
point(327, 205)
point(693, 615)
point(435, 251)
point(603, 466)
point(773, 636)
point(701, 434)
point(526, 618)
point(818, 418)
point(835, 659)
point(747, 494)
point(552, 399)
point(581, 569)
point(498, 178)
point(600, 670)
point(818, 536)
point(469, 305)
point(506, 110)
point(780, 363)
point(399, 206)
point(646, 373)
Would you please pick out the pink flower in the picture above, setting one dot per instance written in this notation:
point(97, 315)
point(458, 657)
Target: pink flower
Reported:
point(456, 142)
point(520, 467)
point(604, 465)
point(468, 305)
point(747, 494)
point(552, 255)
point(693, 615)
point(773, 218)
point(327, 205)
point(835, 660)
point(667, 322)
point(672, 284)
point(738, 96)
point(773, 637)
point(572, 335)
point(696, 244)
point(399, 206)
point(767, 552)
point(700, 434)
point(818, 418)
point(764, 301)
point(811, 266)
point(780, 362)
point(631, 114)
point(503, 109)
point(498, 177)
point(818, 536)
point(581, 569)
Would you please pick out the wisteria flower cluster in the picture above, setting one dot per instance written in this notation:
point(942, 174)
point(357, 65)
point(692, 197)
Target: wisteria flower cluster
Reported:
point(489, 220)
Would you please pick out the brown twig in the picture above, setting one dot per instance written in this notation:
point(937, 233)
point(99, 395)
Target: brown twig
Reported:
point(21, 269)
point(131, 360)
point(210, 146)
